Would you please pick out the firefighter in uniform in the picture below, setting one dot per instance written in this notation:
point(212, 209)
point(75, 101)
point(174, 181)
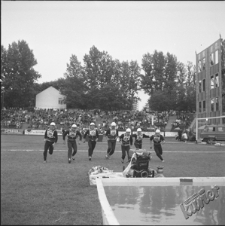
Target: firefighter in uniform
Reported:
point(138, 138)
point(92, 134)
point(112, 134)
point(50, 138)
point(72, 135)
point(127, 140)
point(157, 138)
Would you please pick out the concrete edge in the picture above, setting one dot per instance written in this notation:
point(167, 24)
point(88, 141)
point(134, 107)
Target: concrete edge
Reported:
point(108, 216)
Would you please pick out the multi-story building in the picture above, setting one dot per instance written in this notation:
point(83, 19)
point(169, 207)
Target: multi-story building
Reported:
point(209, 83)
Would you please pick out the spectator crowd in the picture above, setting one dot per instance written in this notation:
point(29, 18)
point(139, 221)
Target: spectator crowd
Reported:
point(33, 118)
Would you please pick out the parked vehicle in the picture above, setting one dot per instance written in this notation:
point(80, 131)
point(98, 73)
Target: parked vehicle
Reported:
point(212, 133)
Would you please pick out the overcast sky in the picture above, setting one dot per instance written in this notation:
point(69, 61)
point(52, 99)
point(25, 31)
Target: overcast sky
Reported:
point(55, 30)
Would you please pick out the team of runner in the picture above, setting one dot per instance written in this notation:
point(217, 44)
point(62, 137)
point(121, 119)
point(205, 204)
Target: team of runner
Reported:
point(112, 134)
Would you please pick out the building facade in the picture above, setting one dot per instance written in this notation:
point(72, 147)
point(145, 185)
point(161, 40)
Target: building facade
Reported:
point(209, 83)
point(50, 98)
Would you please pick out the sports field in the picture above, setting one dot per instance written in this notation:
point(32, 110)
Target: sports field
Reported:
point(58, 193)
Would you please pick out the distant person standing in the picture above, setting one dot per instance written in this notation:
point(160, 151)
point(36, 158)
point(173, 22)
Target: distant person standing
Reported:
point(72, 135)
point(157, 138)
point(138, 138)
point(112, 134)
point(50, 138)
point(179, 134)
point(63, 132)
point(92, 134)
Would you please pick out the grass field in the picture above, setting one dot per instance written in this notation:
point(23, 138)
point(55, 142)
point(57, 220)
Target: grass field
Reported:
point(58, 193)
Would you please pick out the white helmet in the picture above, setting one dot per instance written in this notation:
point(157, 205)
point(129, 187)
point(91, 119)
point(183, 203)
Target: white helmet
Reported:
point(157, 131)
point(52, 124)
point(113, 124)
point(74, 126)
point(92, 124)
point(139, 130)
point(128, 130)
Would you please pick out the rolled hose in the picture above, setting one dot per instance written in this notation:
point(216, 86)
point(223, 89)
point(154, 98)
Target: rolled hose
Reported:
point(144, 174)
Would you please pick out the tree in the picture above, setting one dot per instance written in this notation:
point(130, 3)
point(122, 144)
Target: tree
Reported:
point(102, 72)
point(129, 81)
point(74, 87)
point(94, 62)
point(153, 78)
point(111, 98)
point(159, 101)
point(170, 72)
point(17, 67)
point(180, 100)
point(191, 87)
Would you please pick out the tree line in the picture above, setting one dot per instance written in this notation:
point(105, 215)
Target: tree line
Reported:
point(101, 82)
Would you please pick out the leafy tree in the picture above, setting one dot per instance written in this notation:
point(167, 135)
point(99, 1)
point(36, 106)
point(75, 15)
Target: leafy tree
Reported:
point(17, 67)
point(111, 98)
point(180, 100)
point(159, 101)
point(170, 72)
point(93, 68)
point(191, 87)
point(74, 87)
point(154, 77)
point(102, 71)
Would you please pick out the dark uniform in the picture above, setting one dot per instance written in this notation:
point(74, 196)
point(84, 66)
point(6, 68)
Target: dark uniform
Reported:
point(138, 139)
point(157, 139)
point(71, 141)
point(51, 137)
point(127, 140)
point(112, 134)
point(92, 136)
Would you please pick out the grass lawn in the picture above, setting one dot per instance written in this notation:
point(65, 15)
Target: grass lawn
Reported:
point(58, 193)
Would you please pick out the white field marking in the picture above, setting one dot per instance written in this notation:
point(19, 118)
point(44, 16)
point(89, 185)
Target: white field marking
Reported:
point(30, 150)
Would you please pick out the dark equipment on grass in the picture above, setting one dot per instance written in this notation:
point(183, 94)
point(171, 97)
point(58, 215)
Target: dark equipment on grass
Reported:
point(139, 165)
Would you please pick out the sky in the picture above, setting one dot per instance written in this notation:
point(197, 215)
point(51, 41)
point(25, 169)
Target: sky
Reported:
point(54, 30)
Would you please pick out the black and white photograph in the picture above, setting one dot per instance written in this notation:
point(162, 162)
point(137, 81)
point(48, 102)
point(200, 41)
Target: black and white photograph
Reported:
point(112, 112)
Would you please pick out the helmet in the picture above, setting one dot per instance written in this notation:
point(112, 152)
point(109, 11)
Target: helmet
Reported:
point(52, 124)
point(139, 130)
point(113, 124)
point(128, 130)
point(92, 124)
point(157, 131)
point(74, 126)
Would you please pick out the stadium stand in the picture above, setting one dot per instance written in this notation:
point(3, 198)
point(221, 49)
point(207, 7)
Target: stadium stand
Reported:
point(64, 118)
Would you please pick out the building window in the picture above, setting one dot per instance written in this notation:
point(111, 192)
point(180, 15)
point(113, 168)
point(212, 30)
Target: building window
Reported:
point(221, 129)
point(212, 59)
point(199, 65)
point(61, 101)
point(211, 129)
point(203, 85)
point(212, 104)
point(203, 64)
point(200, 106)
point(203, 106)
point(217, 104)
point(212, 82)
point(216, 80)
point(216, 57)
point(200, 86)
